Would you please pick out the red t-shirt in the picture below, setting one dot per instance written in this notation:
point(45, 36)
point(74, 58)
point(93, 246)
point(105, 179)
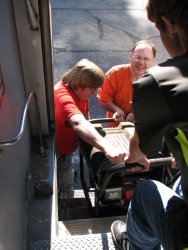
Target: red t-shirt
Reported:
point(67, 105)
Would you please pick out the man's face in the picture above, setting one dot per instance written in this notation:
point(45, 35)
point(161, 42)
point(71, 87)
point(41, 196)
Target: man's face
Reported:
point(141, 59)
point(172, 43)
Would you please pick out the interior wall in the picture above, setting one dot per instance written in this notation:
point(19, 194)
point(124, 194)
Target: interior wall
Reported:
point(28, 28)
point(14, 159)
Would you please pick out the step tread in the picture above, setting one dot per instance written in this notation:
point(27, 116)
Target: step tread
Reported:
point(87, 226)
point(93, 241)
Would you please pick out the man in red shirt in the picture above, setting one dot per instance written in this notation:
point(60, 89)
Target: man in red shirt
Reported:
point(71, 114)
point(115, 94)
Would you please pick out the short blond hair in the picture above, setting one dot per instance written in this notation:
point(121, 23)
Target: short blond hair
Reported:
point(84, 74)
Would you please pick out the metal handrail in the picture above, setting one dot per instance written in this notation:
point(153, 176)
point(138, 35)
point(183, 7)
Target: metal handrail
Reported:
point(22, 124)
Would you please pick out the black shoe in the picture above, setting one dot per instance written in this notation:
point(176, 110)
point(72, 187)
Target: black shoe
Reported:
point(119, 235)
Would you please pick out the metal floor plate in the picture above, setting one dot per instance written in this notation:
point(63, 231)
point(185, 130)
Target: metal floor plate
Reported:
point(87, 226)
point(83, 242)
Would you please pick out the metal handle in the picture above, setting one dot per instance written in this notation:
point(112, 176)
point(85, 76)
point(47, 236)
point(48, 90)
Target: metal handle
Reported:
point(160, 161)
point(22, 124)
point(152, 162)
point(101, 120)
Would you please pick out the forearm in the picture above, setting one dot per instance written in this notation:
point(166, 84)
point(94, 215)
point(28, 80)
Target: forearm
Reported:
point(88, 133)
point(135, 154)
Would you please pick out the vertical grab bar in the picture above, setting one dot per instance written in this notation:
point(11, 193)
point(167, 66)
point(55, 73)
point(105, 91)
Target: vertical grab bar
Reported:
point(22, 124)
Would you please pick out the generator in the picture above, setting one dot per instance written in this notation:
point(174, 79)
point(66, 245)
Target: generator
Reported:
point(113, 185)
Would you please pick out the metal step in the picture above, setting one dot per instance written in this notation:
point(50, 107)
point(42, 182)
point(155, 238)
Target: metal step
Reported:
point(80, 234)
point(83, 242)
point(87, 226)
point(76, 207)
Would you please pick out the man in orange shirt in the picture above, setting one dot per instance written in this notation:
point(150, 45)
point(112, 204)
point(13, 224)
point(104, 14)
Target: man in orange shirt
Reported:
point(115, 94)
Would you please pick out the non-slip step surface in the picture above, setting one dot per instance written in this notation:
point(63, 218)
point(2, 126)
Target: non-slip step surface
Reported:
point(84, 242)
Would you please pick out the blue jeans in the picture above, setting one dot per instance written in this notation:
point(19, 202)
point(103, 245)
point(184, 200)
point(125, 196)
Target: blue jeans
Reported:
point(156, 216)
point(65, 173)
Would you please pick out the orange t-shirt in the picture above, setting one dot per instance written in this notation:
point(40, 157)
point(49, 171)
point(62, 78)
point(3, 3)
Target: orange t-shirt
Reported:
point(117, 88)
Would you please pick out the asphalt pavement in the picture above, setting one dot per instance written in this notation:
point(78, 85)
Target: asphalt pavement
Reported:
point(102, 31)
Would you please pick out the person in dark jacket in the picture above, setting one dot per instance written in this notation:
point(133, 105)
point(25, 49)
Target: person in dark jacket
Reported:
point(157, 215)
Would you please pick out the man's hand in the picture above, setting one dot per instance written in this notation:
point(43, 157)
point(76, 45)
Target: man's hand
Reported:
point(130, 117)
point(119, 116)
point(135, 155)
point(115, 155)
